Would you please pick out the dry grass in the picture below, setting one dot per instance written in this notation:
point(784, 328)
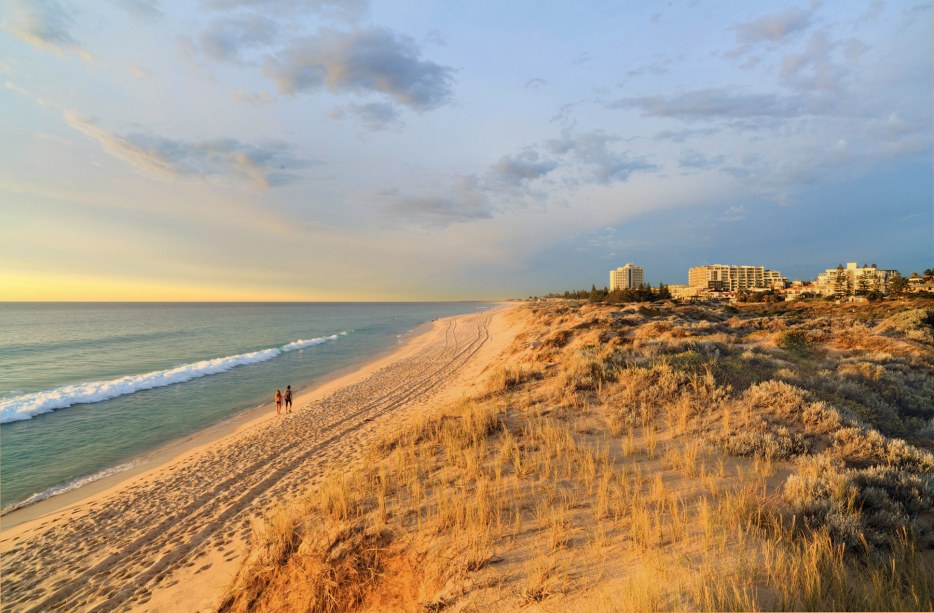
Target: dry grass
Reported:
point(631, 461)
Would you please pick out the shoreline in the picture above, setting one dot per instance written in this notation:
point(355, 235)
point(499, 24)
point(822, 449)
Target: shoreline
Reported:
point(168, 453)
point(174, 536)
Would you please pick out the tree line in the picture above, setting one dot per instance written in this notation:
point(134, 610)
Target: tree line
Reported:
point(643, 293)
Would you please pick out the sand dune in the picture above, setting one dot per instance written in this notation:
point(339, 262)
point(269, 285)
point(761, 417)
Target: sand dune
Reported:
point(639, 458)
point(173, 538)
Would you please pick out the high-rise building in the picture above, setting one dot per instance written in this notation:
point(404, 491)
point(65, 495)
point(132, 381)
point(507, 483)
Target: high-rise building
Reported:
point(626, 277)
point(733, 278)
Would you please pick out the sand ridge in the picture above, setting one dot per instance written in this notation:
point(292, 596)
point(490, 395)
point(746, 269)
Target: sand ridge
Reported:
point(174, 538)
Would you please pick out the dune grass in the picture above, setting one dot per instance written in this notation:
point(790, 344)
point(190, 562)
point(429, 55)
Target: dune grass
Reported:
point(601, 469)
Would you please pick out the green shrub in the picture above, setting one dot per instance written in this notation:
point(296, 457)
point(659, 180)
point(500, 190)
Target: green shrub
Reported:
point(793, 341)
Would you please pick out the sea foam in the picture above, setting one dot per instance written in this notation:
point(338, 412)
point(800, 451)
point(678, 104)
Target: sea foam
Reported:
point(25, 406)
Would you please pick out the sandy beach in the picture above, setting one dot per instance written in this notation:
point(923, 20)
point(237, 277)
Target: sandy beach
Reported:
point(171, 534)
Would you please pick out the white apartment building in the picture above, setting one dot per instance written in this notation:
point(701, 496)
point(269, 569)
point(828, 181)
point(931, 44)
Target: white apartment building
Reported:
point(734, 278)
point(853, 279)
point(774, 279)
point(626, 277)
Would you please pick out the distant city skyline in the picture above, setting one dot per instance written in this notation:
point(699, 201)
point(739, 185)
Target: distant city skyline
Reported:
point(323, 150)
point(846, 264)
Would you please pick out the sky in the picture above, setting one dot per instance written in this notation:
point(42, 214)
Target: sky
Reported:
point(422, 150)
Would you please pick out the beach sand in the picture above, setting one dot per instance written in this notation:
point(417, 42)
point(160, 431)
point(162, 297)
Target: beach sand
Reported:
point(171, 534)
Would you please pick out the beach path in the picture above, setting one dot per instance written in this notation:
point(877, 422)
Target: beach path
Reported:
point(172, 539)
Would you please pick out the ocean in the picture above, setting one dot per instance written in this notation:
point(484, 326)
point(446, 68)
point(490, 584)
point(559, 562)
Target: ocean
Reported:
point(87, 388)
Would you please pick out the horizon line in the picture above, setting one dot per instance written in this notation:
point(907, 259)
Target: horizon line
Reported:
point(252, 301)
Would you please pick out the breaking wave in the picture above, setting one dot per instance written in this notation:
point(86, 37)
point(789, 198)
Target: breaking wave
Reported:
point(26, 406)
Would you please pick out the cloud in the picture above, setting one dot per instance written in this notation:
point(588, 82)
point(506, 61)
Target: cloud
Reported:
point(44, 24)
point(466, 202)
point(365, 61)
point(514, 171)
point(225, 38)
point(535, 83)
point(266, 166)
point(713, 103)
point(504, 186)
point(602, 165)
point(693, 159)
point(776, 28)
point(373, 115)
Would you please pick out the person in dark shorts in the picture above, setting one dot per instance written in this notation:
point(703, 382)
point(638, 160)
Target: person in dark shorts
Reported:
point(288, 398)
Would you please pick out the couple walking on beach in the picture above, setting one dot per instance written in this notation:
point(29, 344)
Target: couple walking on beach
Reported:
point(288, 400)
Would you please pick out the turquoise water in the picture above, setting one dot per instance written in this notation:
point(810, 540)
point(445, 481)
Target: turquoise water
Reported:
point(86, 388)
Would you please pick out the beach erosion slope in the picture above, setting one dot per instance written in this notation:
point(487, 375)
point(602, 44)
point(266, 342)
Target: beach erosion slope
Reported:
point(173, 537)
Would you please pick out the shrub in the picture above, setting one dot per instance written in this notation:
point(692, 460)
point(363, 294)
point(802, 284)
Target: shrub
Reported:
point(867, 447)
point(862, 370)
point(741, 373)
point(775, 396)
point(821, 495)
point(559, 339)
point(793, 341)
point(917, 324)
point(858, 507)
point(762, 441)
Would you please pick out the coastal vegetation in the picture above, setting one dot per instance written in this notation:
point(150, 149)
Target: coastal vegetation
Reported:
point(642, 293)
point(640, 457)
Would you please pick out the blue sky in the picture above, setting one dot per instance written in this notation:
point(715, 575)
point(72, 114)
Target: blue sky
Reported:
point(320, 150)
